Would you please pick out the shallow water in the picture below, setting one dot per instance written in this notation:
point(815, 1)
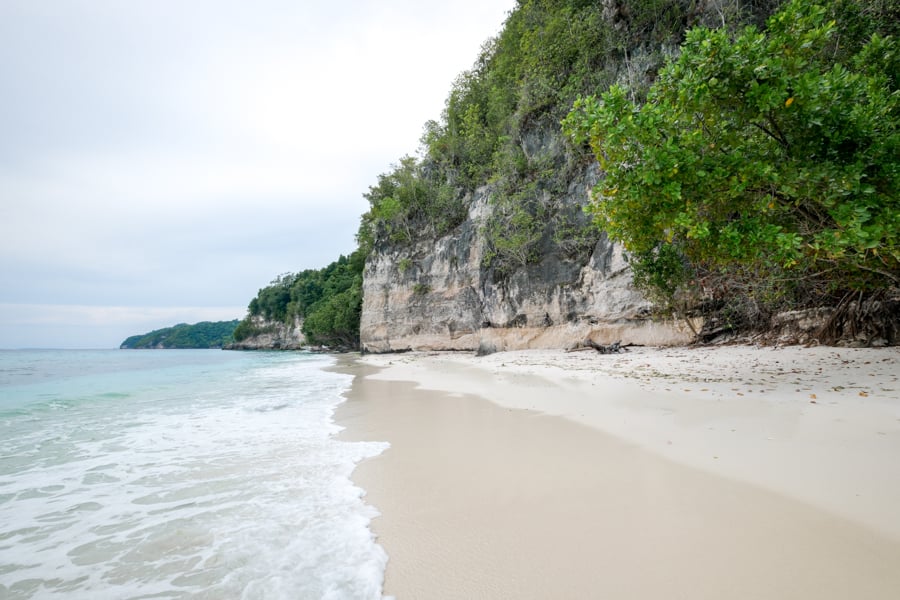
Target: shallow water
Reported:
point(179, 474)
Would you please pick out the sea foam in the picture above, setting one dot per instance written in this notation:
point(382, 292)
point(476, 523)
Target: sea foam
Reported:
point(203, 475)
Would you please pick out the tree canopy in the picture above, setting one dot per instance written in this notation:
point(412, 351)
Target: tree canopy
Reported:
point(763, 165)
point(328, 302)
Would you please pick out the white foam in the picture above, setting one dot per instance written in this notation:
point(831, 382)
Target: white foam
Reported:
point(226, 484)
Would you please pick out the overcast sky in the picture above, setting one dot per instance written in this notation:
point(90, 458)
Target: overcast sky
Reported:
point(160, 161)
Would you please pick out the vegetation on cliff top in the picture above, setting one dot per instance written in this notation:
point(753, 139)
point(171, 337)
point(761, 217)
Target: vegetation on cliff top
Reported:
point(758, 172)
point(327, 301)
point(206, 334)
point(499, 113)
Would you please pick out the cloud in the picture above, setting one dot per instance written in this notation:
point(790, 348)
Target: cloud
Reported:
point(167, 153)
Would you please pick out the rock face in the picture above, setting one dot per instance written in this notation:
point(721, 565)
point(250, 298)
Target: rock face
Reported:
point(438, 295)
point(272, 335)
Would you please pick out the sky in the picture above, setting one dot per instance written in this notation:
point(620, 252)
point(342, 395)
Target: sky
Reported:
point(160, 160)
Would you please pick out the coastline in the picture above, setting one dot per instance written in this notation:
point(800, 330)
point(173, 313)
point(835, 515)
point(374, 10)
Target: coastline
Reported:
point(726, 472)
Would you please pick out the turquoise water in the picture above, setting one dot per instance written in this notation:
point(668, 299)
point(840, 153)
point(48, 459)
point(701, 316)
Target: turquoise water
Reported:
point(179, 474)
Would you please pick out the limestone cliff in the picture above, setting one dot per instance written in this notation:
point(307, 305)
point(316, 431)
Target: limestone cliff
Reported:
point(272, 335)
point(439, 295)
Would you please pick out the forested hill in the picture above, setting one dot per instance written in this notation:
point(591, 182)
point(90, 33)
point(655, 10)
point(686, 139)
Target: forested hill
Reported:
point(324, 303)
point(745, 162)
point(206, 334)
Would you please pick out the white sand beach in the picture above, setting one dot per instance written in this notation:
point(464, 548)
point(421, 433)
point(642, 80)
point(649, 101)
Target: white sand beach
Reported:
point(726, 472)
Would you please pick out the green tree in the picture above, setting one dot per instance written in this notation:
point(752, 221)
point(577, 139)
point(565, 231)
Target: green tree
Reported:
point(327, 300)
point(760, 164)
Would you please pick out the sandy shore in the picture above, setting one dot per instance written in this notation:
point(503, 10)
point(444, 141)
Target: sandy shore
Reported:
point(678, 473)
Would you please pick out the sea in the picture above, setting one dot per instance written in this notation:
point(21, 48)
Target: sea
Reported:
point(138, 474)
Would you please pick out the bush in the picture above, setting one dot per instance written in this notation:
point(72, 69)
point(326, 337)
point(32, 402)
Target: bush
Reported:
point(758, 163)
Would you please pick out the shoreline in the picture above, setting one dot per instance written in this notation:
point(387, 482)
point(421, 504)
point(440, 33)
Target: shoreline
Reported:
point(734, 488)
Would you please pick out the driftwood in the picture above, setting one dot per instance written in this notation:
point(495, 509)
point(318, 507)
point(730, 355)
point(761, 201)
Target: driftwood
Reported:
point(613, 348)
point(589, 344)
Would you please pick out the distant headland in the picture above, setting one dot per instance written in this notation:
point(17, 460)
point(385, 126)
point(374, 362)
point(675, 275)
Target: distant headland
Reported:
point(206, 334)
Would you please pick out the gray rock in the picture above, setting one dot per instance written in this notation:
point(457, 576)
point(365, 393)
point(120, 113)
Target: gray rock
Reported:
point(445, 299)
point(273, 335)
